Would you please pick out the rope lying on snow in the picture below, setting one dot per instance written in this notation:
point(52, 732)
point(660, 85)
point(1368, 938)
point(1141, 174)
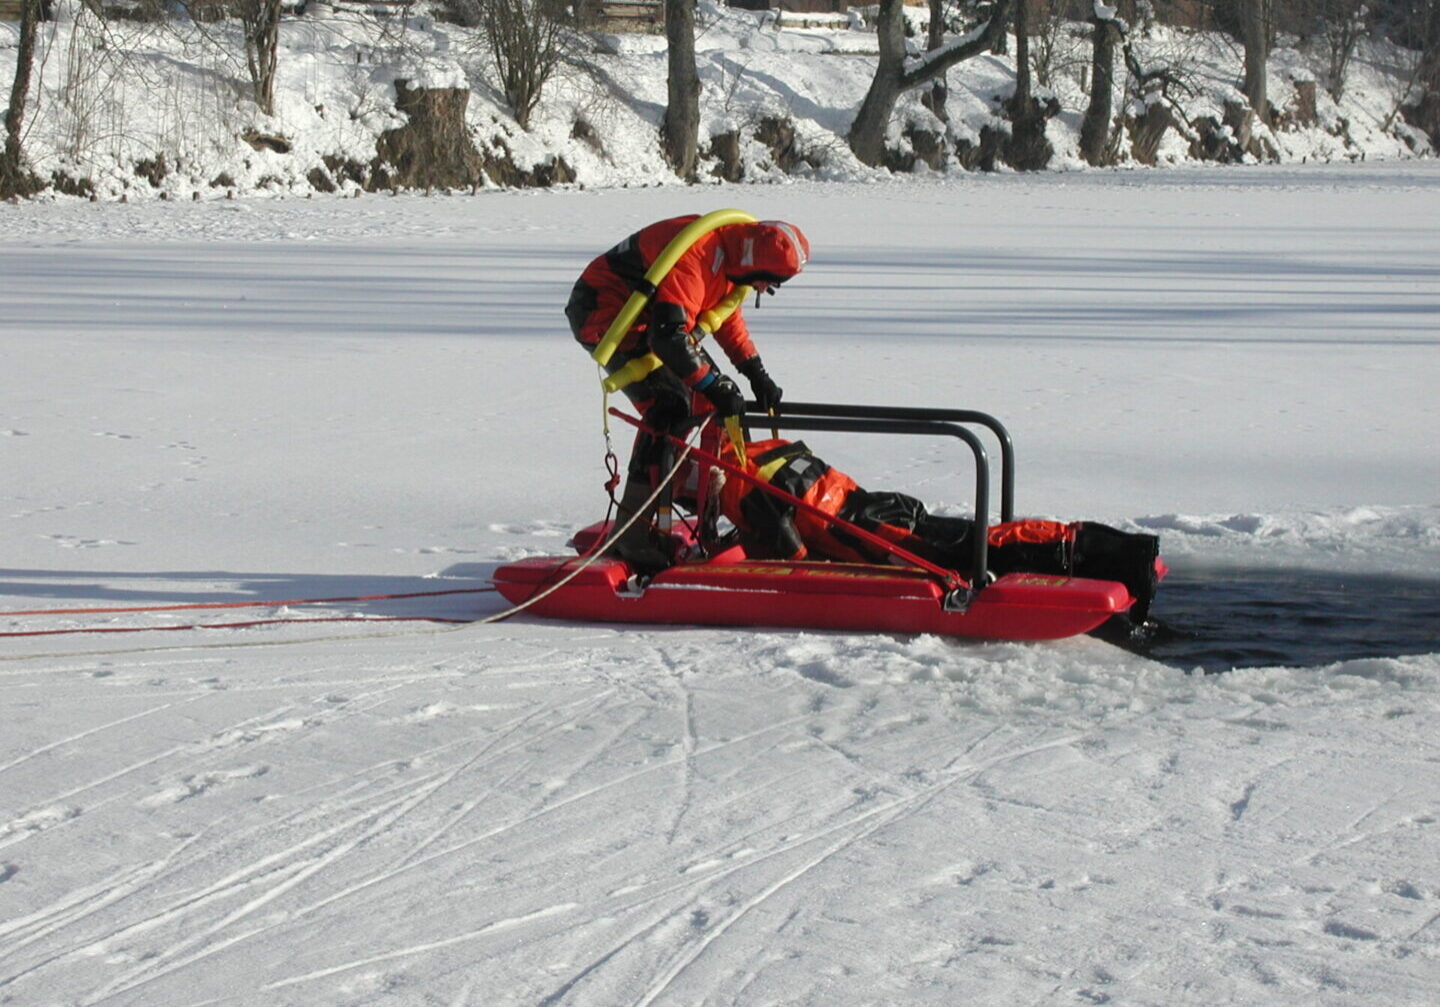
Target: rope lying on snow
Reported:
point(248, 604)
point(234, 625)
point(597, 554)
point(286, 603)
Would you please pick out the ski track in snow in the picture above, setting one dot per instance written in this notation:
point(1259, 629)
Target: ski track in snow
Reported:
point(545, 814)
point(891, 755)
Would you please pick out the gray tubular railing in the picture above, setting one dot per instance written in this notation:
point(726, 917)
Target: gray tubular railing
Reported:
point(835, 409)
point(787, 420)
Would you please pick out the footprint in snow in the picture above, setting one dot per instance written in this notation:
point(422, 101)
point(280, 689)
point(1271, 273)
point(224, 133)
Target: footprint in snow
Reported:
point(39, 820)
point(818, 671)
point(425, 714)
point(255, 732)
point(193, 786)
point(1405, 890)
point(1348, 932)
point(515, 553)
point(71, 542)
point(543, 529)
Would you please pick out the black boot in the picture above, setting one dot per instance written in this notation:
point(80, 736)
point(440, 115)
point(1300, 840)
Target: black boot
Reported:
point(637, 545)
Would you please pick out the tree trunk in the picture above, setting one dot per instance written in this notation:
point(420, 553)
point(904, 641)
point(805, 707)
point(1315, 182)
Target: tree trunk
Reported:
point(261, 19)
point(680, 134)
point(1023, 87)
point(893, 78)
point(14, 179)
point(867, 132)
point(939, 89)
point(1095, 127)
point(1425, 112)
point(1027, 149)
point(1255, 36)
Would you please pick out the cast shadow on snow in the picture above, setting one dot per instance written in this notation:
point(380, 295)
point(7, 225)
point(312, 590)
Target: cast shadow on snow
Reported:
point(85, 589)
point(1181, 323)
point(366, 291)
point(520, 291)
point(1165, 297)
point(1122, 272)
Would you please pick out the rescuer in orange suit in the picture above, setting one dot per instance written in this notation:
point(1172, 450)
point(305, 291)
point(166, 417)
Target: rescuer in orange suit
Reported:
point(762, 255)
point(771, 528)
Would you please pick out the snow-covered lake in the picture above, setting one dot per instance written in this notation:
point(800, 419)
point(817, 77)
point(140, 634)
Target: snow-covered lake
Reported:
point(246, 401)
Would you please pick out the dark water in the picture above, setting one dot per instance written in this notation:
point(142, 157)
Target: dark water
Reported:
point(1220, 619)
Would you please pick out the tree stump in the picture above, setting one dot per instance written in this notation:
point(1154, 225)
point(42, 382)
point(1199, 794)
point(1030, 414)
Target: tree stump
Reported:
point(431, 151)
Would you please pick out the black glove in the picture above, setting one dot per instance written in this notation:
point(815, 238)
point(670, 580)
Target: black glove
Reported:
point(725, 396)
point(767, 392)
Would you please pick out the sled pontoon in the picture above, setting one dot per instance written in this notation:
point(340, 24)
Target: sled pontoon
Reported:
point(731, 589)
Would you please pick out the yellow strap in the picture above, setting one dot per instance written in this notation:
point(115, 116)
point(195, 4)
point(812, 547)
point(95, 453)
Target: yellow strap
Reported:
point(737, 440)
point(664, 262)
point(767, 471)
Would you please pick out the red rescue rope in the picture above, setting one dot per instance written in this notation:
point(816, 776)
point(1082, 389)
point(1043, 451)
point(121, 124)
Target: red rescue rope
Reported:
point(248, 604)
point(239, 604)
point(233, 625)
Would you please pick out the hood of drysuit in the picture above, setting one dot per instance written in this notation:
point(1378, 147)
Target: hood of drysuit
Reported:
point(769, 250)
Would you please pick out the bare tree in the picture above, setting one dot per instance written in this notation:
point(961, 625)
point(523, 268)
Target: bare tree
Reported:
point(1255, 36)
point(1054, 42)
point(1027, 147)
point(526, 40)
point(1158, 88)
point(680, 133)
point(14, 178)
point(260, 22)
point(1424, 112)
point(897, 72)
point(1023, 76)
point(934, 39)
point(1331, 30)
point(1095, 129)
point(1414, 28)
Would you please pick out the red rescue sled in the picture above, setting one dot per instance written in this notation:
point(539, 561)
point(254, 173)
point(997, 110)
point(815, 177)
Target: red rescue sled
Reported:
point(735, 591)
point(730, 589)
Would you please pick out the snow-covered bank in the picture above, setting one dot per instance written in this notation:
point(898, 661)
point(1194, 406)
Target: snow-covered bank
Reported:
point(139, 111)
point(320, 398)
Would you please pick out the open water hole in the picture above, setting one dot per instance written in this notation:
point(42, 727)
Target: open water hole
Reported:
point(1219, 619)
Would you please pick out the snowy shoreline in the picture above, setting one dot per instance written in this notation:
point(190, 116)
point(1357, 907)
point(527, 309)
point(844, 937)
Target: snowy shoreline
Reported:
point(142, 112)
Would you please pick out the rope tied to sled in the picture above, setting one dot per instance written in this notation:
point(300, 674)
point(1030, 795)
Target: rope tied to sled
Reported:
point(598, 552)
point(457, 624)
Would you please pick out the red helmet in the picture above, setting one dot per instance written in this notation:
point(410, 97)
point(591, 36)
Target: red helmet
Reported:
point(771, 251)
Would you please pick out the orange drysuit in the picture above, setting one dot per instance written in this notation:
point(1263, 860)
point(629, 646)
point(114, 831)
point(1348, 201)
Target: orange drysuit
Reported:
point(762, 254)
point(771, 528)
